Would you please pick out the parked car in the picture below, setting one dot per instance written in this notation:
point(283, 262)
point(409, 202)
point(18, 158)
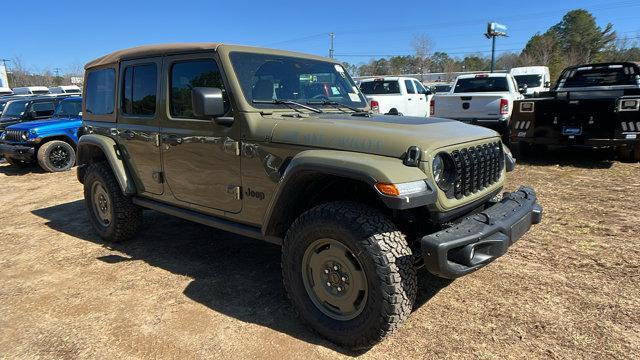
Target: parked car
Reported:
point(357, 200)
point(593, 105)
point(27, 108)
point(532, 79)
point(31, 90)
point(65, 89)
point(51, 142)
point(397, 96)
point(480, 99)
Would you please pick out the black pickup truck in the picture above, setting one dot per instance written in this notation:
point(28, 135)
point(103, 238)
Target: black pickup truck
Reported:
point(593, 105)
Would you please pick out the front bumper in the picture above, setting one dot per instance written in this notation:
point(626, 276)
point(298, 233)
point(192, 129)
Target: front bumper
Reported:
point(481, 238)
point(18, 152)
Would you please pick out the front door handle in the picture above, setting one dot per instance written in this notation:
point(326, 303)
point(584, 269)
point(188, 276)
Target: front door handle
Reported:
point(127, 134)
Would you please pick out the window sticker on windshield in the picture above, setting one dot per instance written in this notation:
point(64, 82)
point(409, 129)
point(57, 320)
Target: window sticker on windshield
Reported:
point(335, 90)
point(354, 97)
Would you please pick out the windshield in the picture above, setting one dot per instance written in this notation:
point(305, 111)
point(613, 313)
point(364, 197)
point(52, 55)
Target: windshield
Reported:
point(529, 80)
point(380, 87)
point(68, 109)
point(271, 77)
point(599, 76)
point(481, 84)
point(15, 108)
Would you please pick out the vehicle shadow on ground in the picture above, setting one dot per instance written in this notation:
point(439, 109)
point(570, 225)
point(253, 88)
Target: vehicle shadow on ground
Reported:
point(11, 170)
point(576, 157)
point(233, 275)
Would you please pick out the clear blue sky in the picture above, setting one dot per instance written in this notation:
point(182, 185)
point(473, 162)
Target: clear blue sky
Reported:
point(63, 33)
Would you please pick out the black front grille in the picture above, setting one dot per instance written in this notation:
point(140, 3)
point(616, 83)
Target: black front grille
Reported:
point(13, 136)
point(477, 168)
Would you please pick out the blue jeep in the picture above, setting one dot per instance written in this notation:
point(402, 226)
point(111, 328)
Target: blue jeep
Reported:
point(52, 142)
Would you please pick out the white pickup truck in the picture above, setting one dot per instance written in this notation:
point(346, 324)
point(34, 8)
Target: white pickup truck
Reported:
point(397, 96)
point(479, 99)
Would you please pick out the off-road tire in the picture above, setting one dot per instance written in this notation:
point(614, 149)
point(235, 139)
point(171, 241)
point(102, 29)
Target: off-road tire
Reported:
point(126, 216)
point(386, 260)
point(45, 156)
point(18, 163)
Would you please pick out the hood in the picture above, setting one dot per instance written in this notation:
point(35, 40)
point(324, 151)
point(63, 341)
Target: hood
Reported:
point(379, 134)
point(43, 124)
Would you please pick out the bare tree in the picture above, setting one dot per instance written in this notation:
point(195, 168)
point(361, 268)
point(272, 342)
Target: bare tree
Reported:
point(422, 47)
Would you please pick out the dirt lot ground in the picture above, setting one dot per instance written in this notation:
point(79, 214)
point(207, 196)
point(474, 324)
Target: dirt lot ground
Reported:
point(569, 289)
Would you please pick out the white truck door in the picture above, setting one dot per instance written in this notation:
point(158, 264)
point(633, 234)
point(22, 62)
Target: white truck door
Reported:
point(412, 99)
point(423, 99)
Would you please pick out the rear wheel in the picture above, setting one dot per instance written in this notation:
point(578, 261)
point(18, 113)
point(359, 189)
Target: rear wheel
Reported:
point(56, 155)
point(349, 273)
point(113, 215)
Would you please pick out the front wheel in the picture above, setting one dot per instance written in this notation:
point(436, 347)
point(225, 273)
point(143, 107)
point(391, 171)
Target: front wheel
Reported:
point(113, 215)
point(56, 155)
point(349, 273)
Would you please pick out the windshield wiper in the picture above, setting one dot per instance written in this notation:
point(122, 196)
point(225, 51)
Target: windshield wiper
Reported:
point(335, 104)
point(288, 104)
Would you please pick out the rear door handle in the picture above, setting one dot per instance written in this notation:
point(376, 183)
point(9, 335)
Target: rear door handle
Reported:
point(172, 140)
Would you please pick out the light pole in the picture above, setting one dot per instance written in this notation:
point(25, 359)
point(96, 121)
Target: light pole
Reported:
point(331, 37)
point(493, 31)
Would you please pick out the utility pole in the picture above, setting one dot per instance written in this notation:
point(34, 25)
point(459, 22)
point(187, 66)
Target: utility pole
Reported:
point(493, 31)
point(57, 79)
point(331, 37)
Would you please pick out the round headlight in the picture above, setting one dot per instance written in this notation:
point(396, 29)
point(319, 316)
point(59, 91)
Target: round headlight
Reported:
point(444, 171)
point(24, 135)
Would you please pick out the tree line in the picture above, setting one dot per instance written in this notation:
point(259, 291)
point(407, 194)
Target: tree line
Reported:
point(576, 39)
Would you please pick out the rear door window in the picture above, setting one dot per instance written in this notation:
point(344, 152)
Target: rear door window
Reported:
point(100, 92)
point(139, 90)
point(410, 88)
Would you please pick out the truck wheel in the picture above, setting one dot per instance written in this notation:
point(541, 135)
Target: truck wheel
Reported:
point(56, 155)
point(18, 163)
point(113, 215)
point(349, 273)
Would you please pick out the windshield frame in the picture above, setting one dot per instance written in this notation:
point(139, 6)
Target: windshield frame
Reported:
point(241, 85)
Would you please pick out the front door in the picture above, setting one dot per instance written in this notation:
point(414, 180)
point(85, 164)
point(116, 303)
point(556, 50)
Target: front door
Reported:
point(138, 124)
point(201, 159)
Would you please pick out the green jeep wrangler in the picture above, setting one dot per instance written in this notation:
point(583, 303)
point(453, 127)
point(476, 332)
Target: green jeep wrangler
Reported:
point(282, 147)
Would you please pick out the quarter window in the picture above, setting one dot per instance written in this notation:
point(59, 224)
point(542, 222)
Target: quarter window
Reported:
point(188, 75)
point(100, 92)
point(139, 90)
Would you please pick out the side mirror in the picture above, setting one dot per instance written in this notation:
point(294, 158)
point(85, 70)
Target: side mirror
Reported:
point(547, 84)
point(32, 114)
point(207, 102)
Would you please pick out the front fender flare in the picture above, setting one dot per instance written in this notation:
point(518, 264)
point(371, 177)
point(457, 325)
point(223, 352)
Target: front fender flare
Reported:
point(110, 150)
point(367, 168)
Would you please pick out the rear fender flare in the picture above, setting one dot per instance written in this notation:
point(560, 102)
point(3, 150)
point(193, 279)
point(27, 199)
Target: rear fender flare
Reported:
point(108, 147)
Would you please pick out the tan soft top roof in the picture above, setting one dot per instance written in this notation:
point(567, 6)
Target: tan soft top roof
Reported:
point(149, 50)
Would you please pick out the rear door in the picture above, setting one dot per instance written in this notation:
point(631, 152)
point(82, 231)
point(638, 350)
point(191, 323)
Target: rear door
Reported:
point(201, 159)
point(138, 124)
point(423, 99)
point(411, 104)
